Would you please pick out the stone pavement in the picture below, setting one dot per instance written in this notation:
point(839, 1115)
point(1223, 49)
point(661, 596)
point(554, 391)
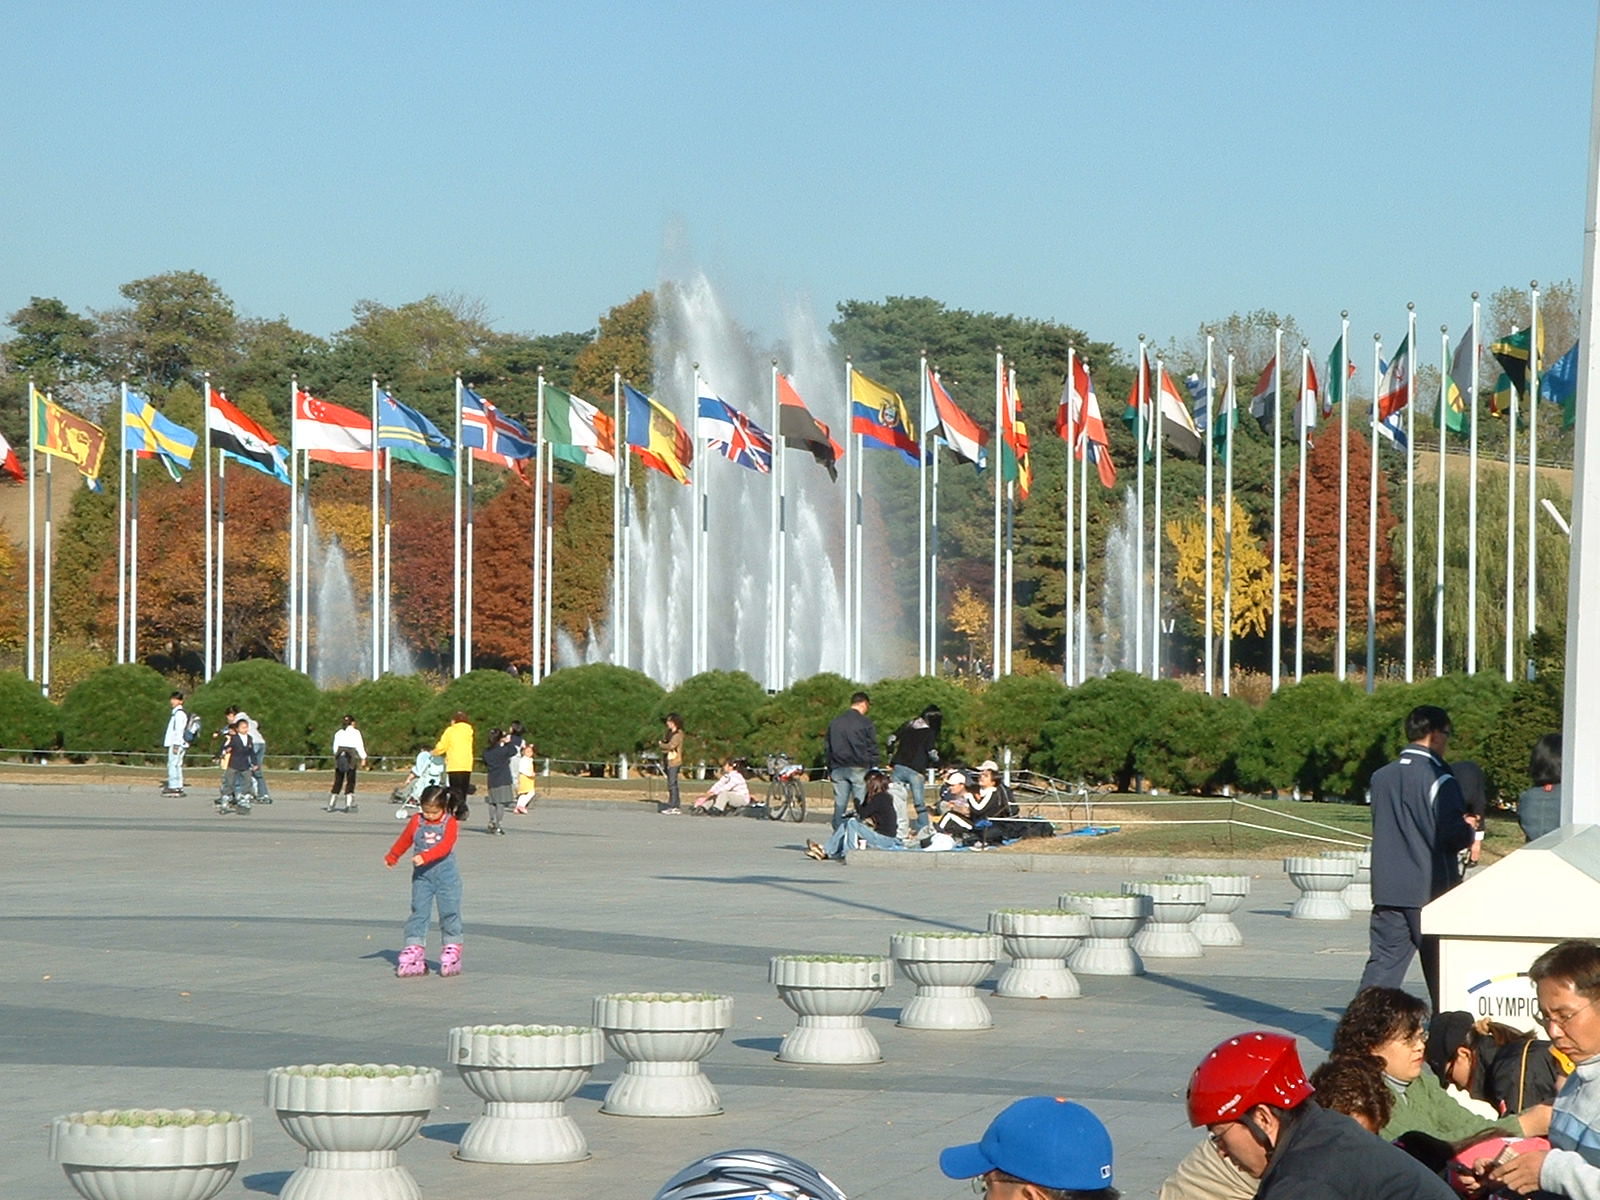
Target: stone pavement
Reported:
point(161, 956)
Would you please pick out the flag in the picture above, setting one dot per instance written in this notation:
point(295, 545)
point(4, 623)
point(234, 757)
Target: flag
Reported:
point(331, 434)
point(1306, 407)
point(241, 439)
point(63, 434)
point(1559, 385)
point(1130, 414)
point(1334, 393)
point(1091, 427)
point(957, 430)
point(9, 464)
point(1227, 411)
point(1265, 395)
point(484, 428)
point(656, 436)
point(798, 426)
point(146, 432)
point(880, 416)
point(1390, 426)
point(578, 432)
point(1394, 386)
point(1511, 352)
point(732, 434)
point(1014, 464)
point(1500, 398)
point(1199, 397)
point(1459, 386)
point(1177, 426)
point(406, 434)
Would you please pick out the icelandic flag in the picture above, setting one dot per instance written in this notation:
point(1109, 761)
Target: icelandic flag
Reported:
point(484, 428)
point(732, 434)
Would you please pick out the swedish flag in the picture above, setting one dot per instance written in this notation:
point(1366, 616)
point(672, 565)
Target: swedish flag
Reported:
point(146, 431)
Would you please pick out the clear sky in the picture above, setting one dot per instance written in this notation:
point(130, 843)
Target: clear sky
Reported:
point(1125, 167)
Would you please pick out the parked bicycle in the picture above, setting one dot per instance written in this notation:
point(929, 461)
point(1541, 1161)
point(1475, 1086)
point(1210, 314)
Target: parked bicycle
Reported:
point(786, 788)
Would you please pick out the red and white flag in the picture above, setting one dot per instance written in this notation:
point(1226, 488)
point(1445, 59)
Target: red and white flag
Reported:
point(332, 434)
point(8, 462)
point(1089, 426)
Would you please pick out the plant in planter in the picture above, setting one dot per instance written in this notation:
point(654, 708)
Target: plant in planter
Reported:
point(1114, 918)
point(524, 1075)
point(1214, 926)
point(1320, 880)
point(1358, 895)
point(831, 994)
point(1038, 941)
point(663, 1036)
point(1173, 905)
point(150, 1153)
point(352, 1118)
point(946, 967)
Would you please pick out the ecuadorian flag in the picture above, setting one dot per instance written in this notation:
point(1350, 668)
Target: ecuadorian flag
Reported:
point(146, 431)
point(656, 437)
point(880, 417)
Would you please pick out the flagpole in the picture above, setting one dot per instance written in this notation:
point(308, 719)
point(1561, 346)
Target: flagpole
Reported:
point(858, 604)
point(1277, 506)
point(550, 557)
point(1069, 656)
point(1210, 605)
point(933, 567)
point(1012, 417)
point(1372, 522)
point(1303, 414)
point(304, 517)
point(848, 573)
point(1511, 529)
point(1533, 454)
point(122, 523)
point(291, 647)
point(1142, 383)
point(33, 529)
point(470, 549)
point(388, 559)
point(617, 617)
point(696, 545)
point(622, 486)
point(455, 539)
point(210, 592)
point(1411, 492)
point(774, 535)
point(1083, 533)
point(1341, 647)
point(373, 464)
point(1438, 570)
point(922, 513)
point(44, 643)
point(133, 561)
point(1158, 434)
point(1227, 534)
point(535, 663)
point(222, 534)
point(1472, 502)
point(781, 599)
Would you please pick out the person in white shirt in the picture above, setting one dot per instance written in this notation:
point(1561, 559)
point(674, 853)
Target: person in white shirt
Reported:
point(176, 744)
point(729, 791)
point(349, 752)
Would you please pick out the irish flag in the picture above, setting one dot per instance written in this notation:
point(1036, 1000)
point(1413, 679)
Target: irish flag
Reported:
point(578, 432)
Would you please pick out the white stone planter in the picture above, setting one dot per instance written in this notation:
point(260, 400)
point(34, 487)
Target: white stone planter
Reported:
point(1113, 922)
point(150, 1154)
point(1038, 941)
point(1173, 907)
point(831, 994)
point(1320, 880)
point(1357, 896)
point(946, 967)
point(352, 1118)
point(1214, 926)
point(524, 1075)
point(663, 1036)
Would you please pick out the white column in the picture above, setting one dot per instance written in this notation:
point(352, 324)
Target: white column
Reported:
point(1341, 648)
point(1472, 502)
point(1411, 489)
point(1277, 506)
point(1533, 454)
point(1210, 605)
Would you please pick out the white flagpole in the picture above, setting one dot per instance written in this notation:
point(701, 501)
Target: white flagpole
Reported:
point(999, 441)
point(304, 517)
point(1372, 521)
point(33, 530)
point(470, 550)
point(122, 523)
point(222, 535)
point(1411, 489)
point(696, 542)
point(49, 565)
point(205, 418)
point(1472, 502)
point(388, 556)
point(1142, 383)
point(858, 604)
point(133, 566)
point(1227, 533)
point(1068, 614)
point(1158, 434)
point(1083, 539)
point(1302, 422)
point(1011, 525)
point(617, 617)
point(933, 568)
point(1210, 605)
point(849, 566)
point(774, 543)
point(1533, 454)
point(922, 514)
point(781, 599)
point(1277, 506)
point(1438, 569)
point(291, 648)
point(455, 539)
point(1511, 534)
point(550, 557)
point(536, 642)
point(1341, 647)
point(627, 537)
point(373, 543)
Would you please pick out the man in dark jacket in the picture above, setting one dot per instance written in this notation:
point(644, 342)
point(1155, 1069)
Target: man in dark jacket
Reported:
point(912, 750)
point(852, 746)
point(1419, 825)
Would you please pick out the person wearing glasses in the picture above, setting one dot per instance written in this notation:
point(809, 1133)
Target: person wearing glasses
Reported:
point(1419, 826)
point(1038, 1148)
point(1568, 981)
point(1250, 1096)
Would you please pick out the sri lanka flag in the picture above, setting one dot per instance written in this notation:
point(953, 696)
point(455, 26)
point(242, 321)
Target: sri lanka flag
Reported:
point(880, 417)
point(655, 435)
point(732, 434)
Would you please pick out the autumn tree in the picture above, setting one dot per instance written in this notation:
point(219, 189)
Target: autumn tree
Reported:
point(970, 619)
point(1252, 572)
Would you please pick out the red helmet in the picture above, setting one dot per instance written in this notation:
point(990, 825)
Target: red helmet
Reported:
point(1244, 1071)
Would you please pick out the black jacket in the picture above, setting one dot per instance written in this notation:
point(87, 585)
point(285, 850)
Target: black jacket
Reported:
point(913, 744)
point(878, 811)
point(1325, 1155)
point(1418, 827)
point(852, 740)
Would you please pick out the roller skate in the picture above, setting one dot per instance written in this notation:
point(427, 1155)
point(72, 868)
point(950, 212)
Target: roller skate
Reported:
point(450, 959)
point(413, 962)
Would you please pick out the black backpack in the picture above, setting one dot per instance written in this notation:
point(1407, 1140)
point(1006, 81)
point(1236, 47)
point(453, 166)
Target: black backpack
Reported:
point(344, 759)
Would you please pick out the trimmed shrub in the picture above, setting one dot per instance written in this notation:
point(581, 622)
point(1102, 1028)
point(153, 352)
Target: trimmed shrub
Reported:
point(896, 701)
point(591, 713)
point(1533, 710)
point(278, 698)
point(1011, 712)
point(1294, 740)
point(1367, 735)
point(1093, 735)
point(125, 707)
point(386, 711)
point(795, 721)
point(1188, 742)
point(718, 710)
point(489, 698)
point(27, 720)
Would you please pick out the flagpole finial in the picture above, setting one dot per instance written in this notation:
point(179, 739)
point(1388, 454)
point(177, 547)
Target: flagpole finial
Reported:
point(1303, 343)
point(1344, 314)
point(1444, 329)
point(1411, 306)
point(1141, 337)
point(1377, 337)
point(1474, 295)
point(775, 360)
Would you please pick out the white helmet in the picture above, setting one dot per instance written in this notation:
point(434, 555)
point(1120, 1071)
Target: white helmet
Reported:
point(749, 1175)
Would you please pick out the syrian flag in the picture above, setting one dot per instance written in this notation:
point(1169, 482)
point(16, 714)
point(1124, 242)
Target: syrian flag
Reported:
point(9, 464)
point(241, 439)
point(959, 431)
point(331, 434)
point(802, 431)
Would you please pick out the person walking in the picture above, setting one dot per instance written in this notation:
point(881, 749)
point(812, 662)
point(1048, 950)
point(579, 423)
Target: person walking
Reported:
point(852, 748)
point(1419, 826)
point(671, 763)
point(498, 757)
point(349, 752)
point(912, 752)
point(455, 744)
point(430, 838)
point(176, 741)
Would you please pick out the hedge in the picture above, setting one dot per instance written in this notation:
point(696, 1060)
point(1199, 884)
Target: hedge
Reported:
point(278, 698)
point(589, 713)
point(386, 711)
point(118, 708)
point(28, 721)
point(718, 710)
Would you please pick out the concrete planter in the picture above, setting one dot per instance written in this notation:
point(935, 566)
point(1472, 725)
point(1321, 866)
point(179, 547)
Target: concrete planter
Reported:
point(946, 967)
point(352, 1118)
point(1173, 907)
point(663, 1036)
point(1357, 896)
point(831, 995)
point(1113, 922)
point(1321, 882)
point(150, 1154)
point(524, 1075)
point(1214, 926)
point(1038, 941)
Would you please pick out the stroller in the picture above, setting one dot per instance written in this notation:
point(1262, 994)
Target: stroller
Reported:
point(425, 773)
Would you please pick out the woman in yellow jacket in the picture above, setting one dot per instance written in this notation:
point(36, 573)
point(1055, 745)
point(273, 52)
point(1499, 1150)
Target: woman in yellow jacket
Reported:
point(455, 744)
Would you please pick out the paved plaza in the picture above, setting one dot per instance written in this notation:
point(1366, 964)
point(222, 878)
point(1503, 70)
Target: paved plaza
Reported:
point(160, 955)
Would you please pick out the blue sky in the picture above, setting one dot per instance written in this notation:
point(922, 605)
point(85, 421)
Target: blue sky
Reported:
point(1125, 167)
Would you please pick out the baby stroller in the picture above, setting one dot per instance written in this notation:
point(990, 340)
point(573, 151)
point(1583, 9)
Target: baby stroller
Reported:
point(425, 773)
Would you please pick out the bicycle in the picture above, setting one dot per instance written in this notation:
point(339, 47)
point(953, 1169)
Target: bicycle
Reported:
point(786, 789)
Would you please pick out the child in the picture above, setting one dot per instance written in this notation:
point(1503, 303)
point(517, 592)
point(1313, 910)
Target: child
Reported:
point(729, 791)
point(527, 778)
point(498, 758)
point(430, 836)
point(236, 763)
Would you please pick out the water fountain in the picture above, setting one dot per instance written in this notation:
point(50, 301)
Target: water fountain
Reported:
point(1117, 591)
point(340, 633)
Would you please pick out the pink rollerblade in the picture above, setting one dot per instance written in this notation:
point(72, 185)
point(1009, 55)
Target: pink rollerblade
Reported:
point(413, 962)
point(450, 959)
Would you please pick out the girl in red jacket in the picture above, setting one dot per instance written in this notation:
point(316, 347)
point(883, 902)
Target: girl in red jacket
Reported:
point(430, 838)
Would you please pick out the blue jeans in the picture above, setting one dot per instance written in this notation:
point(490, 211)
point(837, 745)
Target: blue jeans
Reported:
point(258, 752)
point(915, 781)
point(175, 768)
point(847, 782)
point(437, 883)
point(844, 839)
point(672, 789)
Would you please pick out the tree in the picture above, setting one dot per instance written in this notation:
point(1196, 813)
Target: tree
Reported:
point(176, 325)
point(718, 710)
point(969, 620)
point(795, 721)
point(54, 345)
point(1008, 714)
point(1249, 335)
point(1252, 572)
point(591, 713)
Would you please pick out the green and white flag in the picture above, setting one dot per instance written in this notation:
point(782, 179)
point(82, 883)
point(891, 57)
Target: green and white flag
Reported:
point(578, 432)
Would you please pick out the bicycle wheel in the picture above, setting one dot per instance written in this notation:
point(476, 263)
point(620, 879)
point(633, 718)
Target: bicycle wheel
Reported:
point(794, 799)
point(777, 800)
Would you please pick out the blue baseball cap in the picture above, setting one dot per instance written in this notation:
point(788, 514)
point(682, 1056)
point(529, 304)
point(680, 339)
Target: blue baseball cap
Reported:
point(1044, 1140)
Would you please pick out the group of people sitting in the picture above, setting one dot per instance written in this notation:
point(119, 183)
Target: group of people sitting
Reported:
point(962, 815)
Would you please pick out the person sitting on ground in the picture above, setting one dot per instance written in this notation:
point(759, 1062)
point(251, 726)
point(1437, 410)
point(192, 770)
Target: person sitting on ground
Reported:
point(1485, 1063)
point(1539, 807)
point(731, 790)
point(968, 810)
point(1038, 1148)
point(873, 825)
point(1387, 1024)
point(1250, 1094)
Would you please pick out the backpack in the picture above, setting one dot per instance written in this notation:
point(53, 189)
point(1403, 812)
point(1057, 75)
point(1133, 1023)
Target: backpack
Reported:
point(345, 759)
point(191, 730)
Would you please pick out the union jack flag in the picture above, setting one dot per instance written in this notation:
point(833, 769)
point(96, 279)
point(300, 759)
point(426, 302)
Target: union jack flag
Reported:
point(734, 435)
point(484, 428)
